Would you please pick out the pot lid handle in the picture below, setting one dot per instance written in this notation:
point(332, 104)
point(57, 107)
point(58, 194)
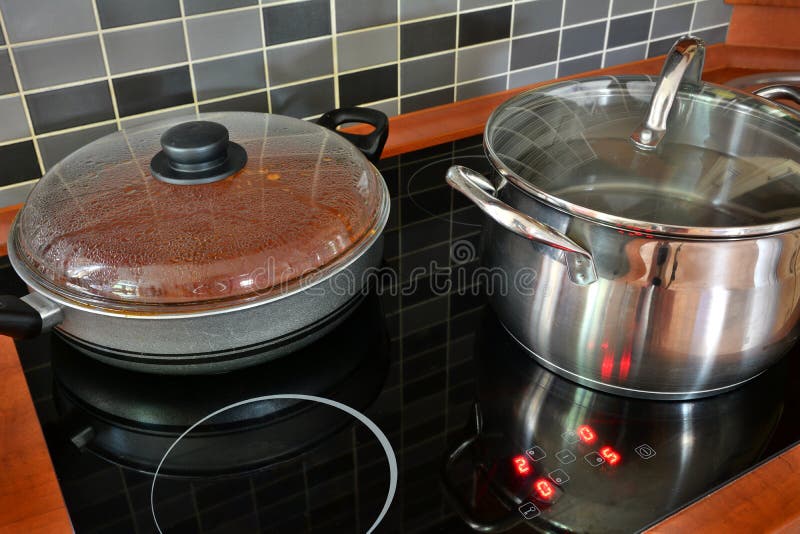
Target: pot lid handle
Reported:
point(682, 67)
point(197, 152)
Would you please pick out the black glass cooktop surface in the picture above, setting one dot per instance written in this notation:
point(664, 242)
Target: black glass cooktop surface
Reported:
point(417, 414)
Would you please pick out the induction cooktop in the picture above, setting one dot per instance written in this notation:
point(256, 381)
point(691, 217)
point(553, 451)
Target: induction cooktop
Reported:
point(418, 414)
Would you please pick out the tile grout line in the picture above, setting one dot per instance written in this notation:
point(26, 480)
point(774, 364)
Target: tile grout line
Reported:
point(455, 51)
point(691, 20)
point(560, 36)
point(23, 100)
point(510, 45)
point(335, 54)
point(192, 80)
point(398, 108)
point(650, 32)
point(608, 33)
point(261, 13)
point(107, 67)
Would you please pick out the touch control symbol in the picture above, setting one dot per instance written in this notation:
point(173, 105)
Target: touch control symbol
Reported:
point(565, 457)
point(559, 476)
point(645, 451)
point(535, 453)
point(570, 437)
point(594, 459)
point(529, 510)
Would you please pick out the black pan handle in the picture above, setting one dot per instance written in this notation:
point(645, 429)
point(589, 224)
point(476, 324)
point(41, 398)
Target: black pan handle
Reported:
point(18, 319)
point(370, 144)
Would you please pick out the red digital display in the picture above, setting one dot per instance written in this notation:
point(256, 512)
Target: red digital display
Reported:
point(521, 465)
point(586, 434)
point(611, 456)
point(544, 489)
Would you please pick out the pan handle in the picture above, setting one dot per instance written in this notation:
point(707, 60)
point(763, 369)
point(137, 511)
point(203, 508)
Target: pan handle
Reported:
point(370, 144)
point(481, 191)
point(29, 316)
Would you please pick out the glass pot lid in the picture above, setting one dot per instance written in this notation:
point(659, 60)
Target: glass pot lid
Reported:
point(728, 164)
point(207, 222)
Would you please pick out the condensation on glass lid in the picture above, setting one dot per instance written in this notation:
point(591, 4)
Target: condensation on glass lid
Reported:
point(99, 226)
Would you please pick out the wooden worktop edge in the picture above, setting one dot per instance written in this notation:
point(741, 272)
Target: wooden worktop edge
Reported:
point(30, 498)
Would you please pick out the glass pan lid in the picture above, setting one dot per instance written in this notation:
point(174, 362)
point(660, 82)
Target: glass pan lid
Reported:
point(100, 229)
point(728, 166)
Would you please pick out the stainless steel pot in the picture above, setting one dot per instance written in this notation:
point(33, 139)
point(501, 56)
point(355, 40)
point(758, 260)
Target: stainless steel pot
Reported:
point(665, 254)
point(207, 255)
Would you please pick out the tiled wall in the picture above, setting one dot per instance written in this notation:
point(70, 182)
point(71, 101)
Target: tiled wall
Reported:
point(74, 70)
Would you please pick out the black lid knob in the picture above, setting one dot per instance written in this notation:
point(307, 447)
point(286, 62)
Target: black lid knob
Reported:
point(197, 152)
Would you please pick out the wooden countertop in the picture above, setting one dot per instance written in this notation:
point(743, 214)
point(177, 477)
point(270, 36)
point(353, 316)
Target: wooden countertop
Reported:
point(30, 498)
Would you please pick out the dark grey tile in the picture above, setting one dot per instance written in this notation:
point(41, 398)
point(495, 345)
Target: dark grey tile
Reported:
point(426, 100)
point(483, 26)
point(193, 7)
point(256, 102)
point(301, 20)
point(229, 75)
point(355, 14)
point(14, 124)
point(2, 38)
point(223, 33)
point(538, 16)
point(534, 50)
point(481, 87)
point(54, 63)
point(367, 48)
point(583, 39)
point(145, 47)
point(628, 30)
point(416, 9)
point(711, 13)
point(577, 11)
point(714, 35)
point(8, 84)
point(73, 106)
point(427, 36)
point(368, 86)
point(27, 20)
point(153, 90)
point(19, 163)
point(300, 61)
point(304, 100)
point(672, 21)
point(426, 73)
point(482, 61)
point(625, 55)
point(115, 13)
point(621, 7)
point(578, 66)
point(660, 47)
point(661, 3)
point(532, 75)
point(54, 148)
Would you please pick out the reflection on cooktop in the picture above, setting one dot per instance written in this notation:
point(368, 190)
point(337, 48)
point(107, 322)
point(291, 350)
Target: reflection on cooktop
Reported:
point(484, 437)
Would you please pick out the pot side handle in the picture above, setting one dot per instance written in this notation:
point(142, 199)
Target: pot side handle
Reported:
point(27, 317)
point(370, 144)
point(480, 191)
point(776, 92)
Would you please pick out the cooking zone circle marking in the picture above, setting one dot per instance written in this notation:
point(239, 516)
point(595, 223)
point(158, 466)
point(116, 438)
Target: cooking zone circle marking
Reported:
point(384, 441)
